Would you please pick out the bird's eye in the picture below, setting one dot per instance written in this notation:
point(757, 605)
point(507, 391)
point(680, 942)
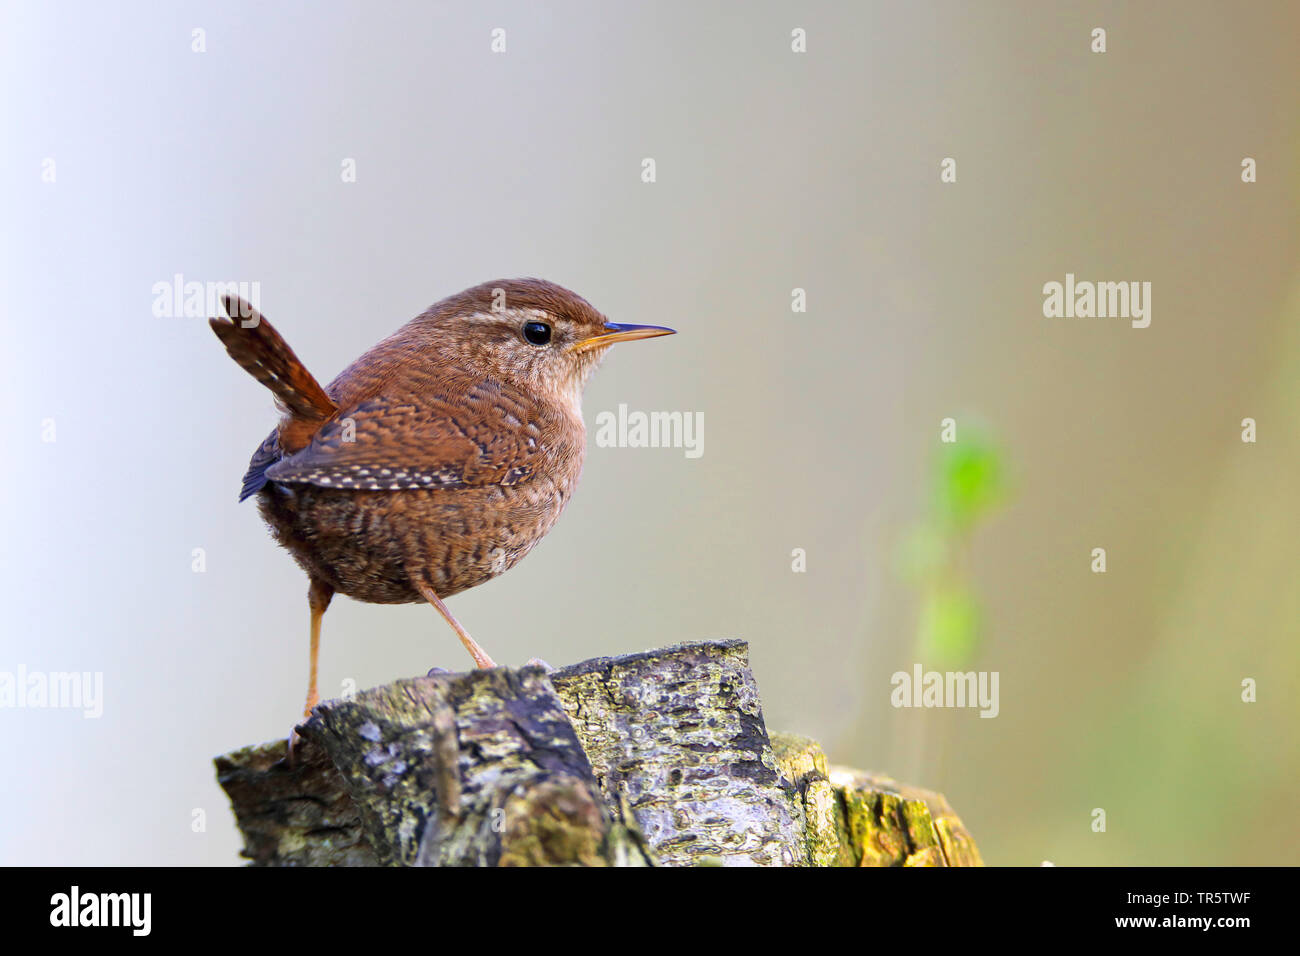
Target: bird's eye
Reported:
point(538, 333)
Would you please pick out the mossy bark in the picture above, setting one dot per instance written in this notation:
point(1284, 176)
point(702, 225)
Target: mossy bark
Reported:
point(477, 769)
point(865, 819)
point(660, 757)
point(300, 815)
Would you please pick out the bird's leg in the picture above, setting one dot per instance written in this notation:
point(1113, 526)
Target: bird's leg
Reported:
point(318, 599)
point(480, 656)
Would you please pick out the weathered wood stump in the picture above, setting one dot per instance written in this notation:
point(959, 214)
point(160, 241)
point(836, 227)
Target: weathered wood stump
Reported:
point(654, 758)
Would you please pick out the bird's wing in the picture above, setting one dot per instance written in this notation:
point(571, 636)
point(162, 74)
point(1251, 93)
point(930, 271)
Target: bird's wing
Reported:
point(485, 434)
point(267, 454)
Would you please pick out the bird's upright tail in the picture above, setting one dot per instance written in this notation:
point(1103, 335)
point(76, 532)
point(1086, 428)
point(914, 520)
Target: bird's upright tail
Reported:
point(255, 345)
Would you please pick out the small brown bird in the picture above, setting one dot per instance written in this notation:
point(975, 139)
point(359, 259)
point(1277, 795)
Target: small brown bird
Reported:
point(437, 459)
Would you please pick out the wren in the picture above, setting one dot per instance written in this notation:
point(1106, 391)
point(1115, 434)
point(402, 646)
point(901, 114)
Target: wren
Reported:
point(436, 460)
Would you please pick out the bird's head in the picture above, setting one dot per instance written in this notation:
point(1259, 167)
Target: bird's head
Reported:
point(527, 331)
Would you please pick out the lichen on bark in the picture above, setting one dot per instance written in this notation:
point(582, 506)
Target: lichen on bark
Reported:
point(679, 734)
point(862, 819)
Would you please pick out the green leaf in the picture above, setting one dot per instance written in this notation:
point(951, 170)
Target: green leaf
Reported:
point(970, 479)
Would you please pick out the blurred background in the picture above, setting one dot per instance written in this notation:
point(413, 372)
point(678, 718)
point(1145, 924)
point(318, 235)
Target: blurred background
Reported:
point(131, 156)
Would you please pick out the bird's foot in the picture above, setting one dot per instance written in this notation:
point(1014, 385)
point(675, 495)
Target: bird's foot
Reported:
point(538, 662)
point(291, 746)
point(295, 738)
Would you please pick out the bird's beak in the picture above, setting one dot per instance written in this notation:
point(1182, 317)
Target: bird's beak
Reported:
point(615, 332)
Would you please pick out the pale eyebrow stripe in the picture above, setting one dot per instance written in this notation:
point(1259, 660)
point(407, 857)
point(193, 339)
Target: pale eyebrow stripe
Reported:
point(509, 314)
